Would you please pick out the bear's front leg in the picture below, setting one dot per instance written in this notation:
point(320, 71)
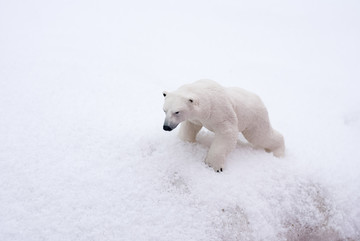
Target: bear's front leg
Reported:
point(222, 145)
point(188, 131)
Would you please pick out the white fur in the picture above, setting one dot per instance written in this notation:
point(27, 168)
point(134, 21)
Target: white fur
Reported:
point(224, 111)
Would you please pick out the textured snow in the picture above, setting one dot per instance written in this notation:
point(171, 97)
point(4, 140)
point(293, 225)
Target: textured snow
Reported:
point(82, 152)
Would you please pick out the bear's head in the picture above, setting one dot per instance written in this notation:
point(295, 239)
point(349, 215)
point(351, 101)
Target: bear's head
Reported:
point(177, 108)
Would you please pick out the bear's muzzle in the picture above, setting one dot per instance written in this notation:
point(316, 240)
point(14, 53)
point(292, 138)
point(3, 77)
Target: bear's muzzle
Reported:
point(167, 128)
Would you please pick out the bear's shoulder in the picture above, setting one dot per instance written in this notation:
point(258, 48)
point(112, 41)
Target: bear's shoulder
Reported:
point(201, 86)
point(206, 83)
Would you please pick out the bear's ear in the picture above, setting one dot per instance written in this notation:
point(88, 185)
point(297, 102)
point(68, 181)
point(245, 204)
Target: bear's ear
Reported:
point(164, 93)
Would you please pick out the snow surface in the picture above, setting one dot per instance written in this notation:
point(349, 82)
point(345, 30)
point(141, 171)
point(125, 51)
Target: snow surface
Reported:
point(82, 152)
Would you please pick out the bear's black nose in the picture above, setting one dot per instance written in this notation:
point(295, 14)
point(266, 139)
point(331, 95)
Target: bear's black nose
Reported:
point(167, 128)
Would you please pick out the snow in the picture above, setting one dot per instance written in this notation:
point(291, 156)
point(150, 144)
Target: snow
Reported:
point(82, 152)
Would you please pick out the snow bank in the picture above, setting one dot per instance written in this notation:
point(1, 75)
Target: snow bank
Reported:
point(82, 151)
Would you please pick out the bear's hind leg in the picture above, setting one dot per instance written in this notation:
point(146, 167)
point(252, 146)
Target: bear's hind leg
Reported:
point(271, 141)
point(188, 131)
point(276, 144)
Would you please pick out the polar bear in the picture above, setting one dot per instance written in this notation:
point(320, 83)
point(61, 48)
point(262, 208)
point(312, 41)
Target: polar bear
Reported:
point(224, 111)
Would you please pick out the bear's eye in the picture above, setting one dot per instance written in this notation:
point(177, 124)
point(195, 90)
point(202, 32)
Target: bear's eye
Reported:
point(176, 113)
